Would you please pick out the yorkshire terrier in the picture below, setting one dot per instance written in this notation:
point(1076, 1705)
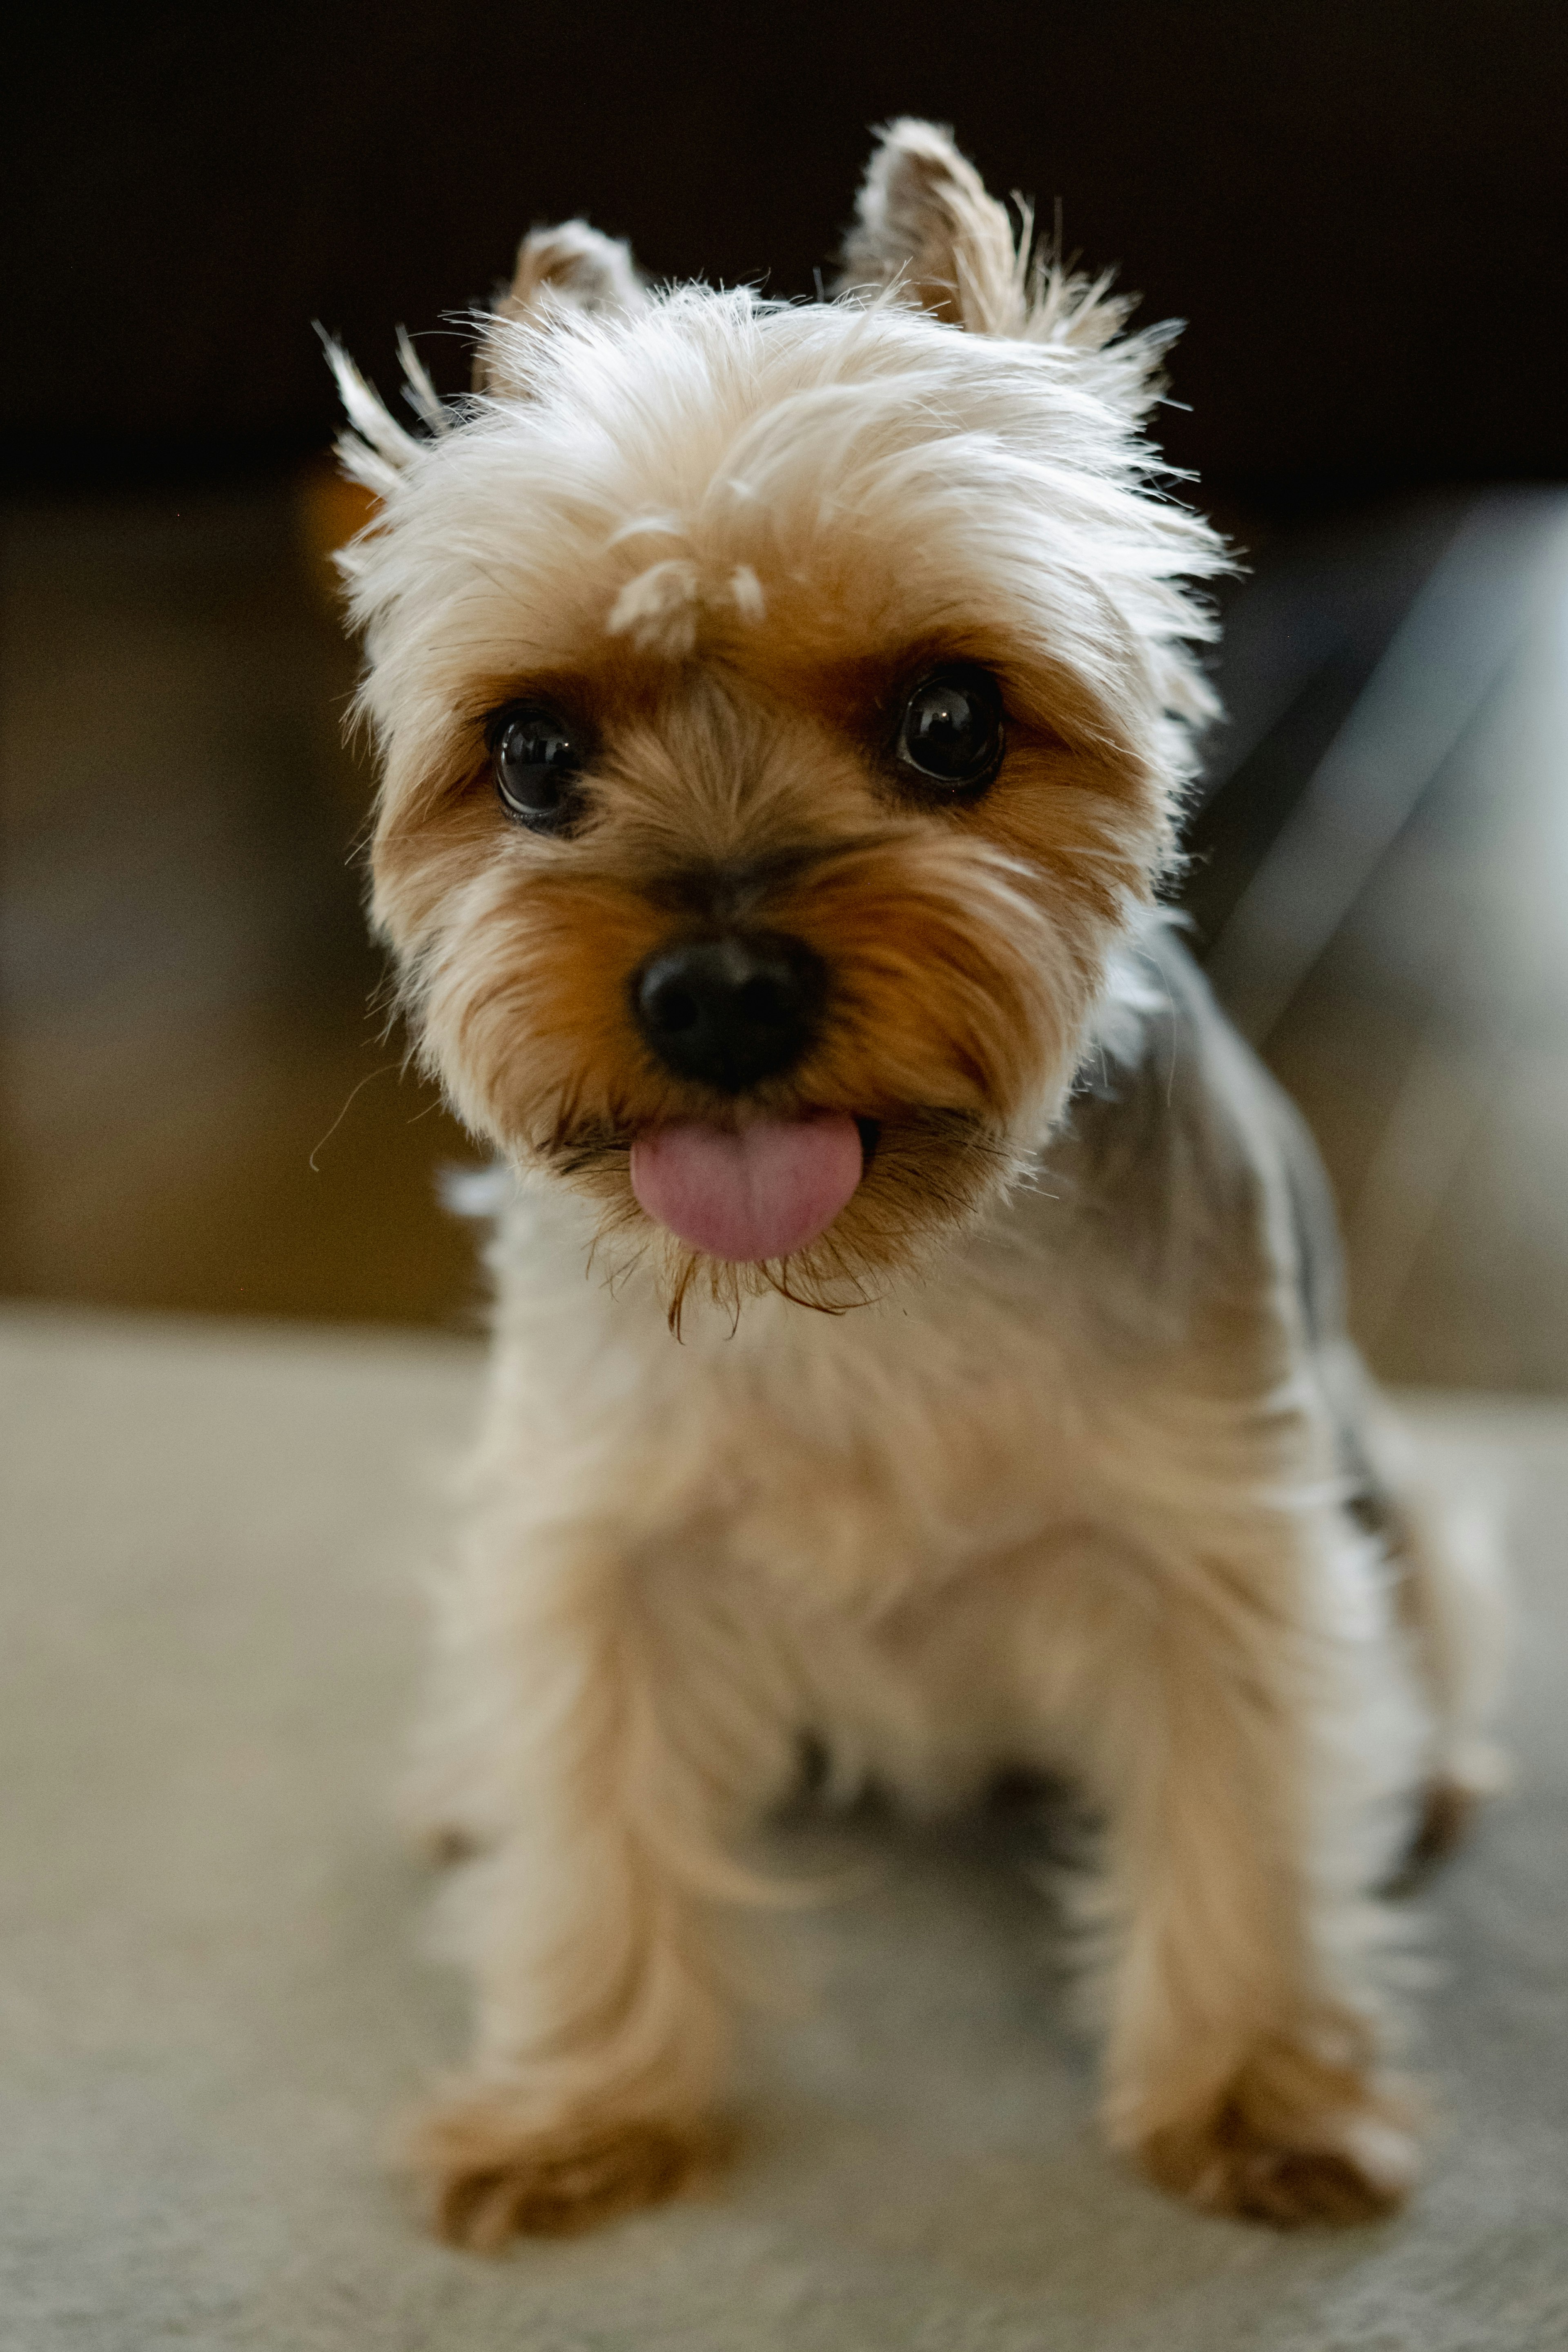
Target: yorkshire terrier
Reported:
point(917, 1334)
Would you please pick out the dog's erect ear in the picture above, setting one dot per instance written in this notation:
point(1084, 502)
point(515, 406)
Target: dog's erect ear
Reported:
point(925, 224)
point(560, 270)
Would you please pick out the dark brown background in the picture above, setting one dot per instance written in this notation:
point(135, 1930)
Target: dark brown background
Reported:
point(1362, 212)
point(1361, 209)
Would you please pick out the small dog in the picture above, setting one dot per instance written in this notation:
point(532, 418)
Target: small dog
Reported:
point(785, 713)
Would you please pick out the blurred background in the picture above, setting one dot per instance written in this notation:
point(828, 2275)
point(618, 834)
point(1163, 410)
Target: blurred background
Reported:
point(1361, 211)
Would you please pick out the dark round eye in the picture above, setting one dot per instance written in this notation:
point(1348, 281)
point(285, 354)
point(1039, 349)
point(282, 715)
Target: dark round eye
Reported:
point(951, 730)
point(538, 759)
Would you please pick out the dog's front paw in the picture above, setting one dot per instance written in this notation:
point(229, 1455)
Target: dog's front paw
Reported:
point(1289, 2140)
point(491, 2176)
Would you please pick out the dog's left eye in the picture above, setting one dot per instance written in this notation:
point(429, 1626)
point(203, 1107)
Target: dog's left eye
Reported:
point(951, 730)
point(539, 758)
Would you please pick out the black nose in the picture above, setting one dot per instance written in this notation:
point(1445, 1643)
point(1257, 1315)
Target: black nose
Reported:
point(730, 1011)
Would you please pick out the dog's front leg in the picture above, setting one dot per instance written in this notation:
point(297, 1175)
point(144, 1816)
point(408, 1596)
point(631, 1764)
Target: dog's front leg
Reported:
point(1242, 2071)
point(591, 1923)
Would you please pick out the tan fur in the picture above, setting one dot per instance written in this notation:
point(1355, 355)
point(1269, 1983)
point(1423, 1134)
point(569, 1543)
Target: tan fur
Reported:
point(1293, 2139)
point(1071, 1474)
point(570, 268)
point(482, 2195)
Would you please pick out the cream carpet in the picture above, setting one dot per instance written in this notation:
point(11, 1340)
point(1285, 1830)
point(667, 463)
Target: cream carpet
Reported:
point(213, 1999)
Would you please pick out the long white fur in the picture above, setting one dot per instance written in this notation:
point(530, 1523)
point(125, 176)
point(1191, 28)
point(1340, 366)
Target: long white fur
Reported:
point(971, 1525)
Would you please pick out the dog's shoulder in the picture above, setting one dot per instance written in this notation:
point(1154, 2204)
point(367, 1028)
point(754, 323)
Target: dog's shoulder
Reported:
point(1168, 1116)
point(1180, 1167)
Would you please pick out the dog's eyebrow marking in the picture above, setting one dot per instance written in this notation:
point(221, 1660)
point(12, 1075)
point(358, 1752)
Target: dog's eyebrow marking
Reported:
point(745, 594)
point(657, 610)
point(649, 526)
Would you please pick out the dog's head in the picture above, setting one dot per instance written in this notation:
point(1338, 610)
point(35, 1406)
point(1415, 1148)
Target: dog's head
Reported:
point(783, 710)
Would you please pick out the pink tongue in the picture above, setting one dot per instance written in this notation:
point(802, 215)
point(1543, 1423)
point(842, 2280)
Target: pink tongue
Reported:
point(762, 1193)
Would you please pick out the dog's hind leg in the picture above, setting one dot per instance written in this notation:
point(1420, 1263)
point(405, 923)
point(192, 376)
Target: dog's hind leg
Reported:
point(1446, 1560)
point(1452, 1598)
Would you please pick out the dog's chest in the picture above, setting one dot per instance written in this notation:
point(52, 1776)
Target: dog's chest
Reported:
point(841, 1464)
point(852, 1463)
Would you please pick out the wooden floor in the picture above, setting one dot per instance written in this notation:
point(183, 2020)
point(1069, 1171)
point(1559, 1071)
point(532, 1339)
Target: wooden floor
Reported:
point(200, 1108)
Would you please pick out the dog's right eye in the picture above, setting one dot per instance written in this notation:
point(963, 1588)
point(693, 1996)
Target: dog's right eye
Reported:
point(539, 757)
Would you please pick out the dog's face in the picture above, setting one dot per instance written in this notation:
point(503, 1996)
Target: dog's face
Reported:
point(782, 710)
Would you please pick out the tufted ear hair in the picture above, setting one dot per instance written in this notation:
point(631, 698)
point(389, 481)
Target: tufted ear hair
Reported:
point(926, 226)
point(570, 267)
point(926, 232)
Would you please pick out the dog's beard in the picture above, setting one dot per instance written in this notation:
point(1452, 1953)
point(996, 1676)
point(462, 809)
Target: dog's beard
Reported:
point(960, 996)
point(927, 1176)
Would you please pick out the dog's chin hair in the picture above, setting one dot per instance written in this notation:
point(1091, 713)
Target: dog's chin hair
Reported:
point(934, 1174)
